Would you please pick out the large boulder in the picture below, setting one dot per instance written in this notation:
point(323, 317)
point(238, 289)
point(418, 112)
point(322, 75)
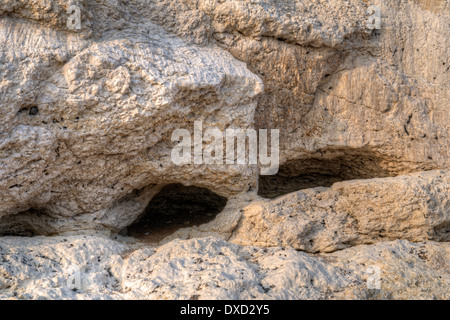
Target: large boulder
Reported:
point(414, 207)
point(86, 123)
point(89, 142)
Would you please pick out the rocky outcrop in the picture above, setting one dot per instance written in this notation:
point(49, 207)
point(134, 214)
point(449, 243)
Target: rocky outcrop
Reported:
point(415, 207)
point(95, 132)
point(208, 268)
point(92, 110)
point(86, 123)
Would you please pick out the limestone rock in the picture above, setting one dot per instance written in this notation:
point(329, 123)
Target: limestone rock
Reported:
point(94, 134)
point(92, 110)
point(414, 207)
point(208, 268)
point(351, 103)
point(86, 118)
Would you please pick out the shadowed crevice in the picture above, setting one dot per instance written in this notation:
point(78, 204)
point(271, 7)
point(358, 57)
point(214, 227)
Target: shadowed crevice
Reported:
point(26, 224)
point(323, 171)
point(174, 207)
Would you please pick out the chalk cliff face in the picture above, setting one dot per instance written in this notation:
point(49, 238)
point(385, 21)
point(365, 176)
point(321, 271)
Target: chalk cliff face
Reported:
point(86, 123)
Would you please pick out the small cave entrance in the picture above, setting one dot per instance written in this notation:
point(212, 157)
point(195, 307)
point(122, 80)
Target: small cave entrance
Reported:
point(29, 223)
point(323, 171)
point(176, 206)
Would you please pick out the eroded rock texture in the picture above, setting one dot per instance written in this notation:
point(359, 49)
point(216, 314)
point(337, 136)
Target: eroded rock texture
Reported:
point(211, 268)
point(86, 118)
point(413, 207)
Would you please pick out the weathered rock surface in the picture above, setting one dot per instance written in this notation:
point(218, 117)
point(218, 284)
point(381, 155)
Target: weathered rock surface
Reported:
point(99, 146)
point(414, 207)
point(350, 102)
point(86, 118)
point(209, 268)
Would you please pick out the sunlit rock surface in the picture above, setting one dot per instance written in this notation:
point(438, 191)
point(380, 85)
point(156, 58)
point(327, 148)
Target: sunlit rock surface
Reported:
point(86, 118)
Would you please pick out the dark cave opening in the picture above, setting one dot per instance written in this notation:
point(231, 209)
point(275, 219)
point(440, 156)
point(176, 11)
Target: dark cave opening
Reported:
point(278, 185)
point(176, 206)
point(323, 171)
point(27, 223)
point(20, 229)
